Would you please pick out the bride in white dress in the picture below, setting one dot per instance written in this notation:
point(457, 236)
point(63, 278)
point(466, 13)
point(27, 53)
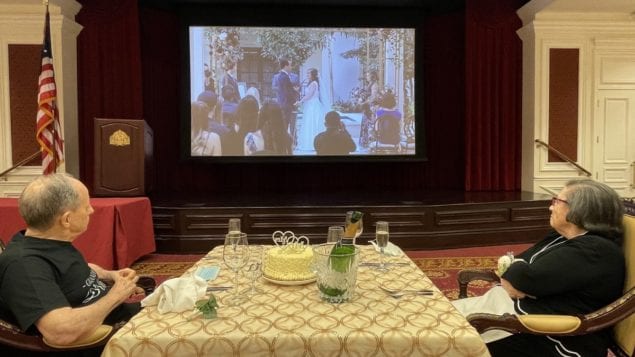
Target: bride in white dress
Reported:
point(312, 112)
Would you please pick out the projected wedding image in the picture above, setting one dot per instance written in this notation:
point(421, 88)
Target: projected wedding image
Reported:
point(281, 91)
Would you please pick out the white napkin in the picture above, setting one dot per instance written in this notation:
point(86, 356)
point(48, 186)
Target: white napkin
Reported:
point(177, 295)
point(391, 249)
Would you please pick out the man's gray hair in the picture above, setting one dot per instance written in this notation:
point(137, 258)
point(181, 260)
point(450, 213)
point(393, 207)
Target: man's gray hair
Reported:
point(47, 197)
point(595, 207)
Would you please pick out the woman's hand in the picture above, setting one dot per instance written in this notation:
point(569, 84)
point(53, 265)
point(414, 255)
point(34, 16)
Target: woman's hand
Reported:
point(511, 291)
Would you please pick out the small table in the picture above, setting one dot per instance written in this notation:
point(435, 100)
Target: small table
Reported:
point(120, 230)
point(293, 321)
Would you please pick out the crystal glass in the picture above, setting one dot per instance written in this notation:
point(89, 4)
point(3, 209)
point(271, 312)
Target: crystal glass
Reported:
point(360, 226)
point(234, 225)
point(253, 268)
point(335, 234)
point(382, 236)
point(236, 255)
point(335, 267)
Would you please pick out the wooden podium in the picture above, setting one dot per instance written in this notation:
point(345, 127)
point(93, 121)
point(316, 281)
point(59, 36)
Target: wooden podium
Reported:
point(123, 157)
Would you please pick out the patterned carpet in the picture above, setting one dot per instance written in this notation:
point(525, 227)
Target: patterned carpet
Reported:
point(441, 266)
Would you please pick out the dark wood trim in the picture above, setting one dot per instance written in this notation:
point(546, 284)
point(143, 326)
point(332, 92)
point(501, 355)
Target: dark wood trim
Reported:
point(414, 225)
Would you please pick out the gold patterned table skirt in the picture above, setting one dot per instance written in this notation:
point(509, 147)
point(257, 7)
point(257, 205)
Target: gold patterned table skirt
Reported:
point(293, 321)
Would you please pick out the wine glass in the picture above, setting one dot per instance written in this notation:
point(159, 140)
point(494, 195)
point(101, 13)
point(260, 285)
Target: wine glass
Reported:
point(360, 226)
point(234, 225)
point(382, 236)
point(235, 255)
point(253, 269)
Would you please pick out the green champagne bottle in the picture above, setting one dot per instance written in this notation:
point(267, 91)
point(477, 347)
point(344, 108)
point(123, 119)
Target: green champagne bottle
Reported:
point(341, 252)
point(350, 230)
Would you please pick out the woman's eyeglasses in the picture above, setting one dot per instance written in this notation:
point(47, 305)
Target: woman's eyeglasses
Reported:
point(555, 200)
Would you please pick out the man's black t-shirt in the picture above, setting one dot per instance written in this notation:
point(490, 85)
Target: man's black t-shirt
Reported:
point(40, 275)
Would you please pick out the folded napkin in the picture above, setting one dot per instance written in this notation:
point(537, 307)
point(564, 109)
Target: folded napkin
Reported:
point(177, 295)
point(390, 249)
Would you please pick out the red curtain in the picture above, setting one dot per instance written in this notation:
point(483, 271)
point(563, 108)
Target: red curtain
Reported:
point(493, 92)
point(108, 70)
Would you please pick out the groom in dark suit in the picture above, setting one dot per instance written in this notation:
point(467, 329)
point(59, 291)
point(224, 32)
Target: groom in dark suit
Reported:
point(286, 95)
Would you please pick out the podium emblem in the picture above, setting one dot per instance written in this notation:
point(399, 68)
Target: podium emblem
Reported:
point(119, 138)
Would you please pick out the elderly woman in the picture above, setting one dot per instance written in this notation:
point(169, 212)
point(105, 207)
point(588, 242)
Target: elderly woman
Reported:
point(576, 269)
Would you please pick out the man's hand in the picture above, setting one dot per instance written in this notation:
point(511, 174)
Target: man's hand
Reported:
point(511, 291)
point(129, 273)
point(125, 284)
point(126, 272)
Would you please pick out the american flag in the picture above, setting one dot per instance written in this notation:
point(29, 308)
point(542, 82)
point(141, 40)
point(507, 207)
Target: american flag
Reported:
point(49, 133)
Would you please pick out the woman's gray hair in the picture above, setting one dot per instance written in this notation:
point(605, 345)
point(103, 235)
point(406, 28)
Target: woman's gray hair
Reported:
point(47, 197)
point(595, 207)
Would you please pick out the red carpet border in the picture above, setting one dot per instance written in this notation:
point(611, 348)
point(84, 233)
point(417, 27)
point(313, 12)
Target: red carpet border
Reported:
point(441, 266)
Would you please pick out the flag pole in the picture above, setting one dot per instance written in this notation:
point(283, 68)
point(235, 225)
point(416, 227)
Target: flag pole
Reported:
point(48, 132)
point(53, 104)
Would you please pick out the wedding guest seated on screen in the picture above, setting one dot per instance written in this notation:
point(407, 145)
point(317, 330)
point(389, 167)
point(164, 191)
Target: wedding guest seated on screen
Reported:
point(228, 106)
point(214, 114)
point(388, 106)
point(335, 140)
point(246, 121)
point(45, 283)
point(204, 142)
point(578, 268)
point(271, 138)
point(388, 120)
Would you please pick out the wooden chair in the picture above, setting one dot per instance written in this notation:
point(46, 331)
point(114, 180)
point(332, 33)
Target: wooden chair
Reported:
point(618, 315)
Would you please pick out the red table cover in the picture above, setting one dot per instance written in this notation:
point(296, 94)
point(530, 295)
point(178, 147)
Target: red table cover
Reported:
point(120, 230)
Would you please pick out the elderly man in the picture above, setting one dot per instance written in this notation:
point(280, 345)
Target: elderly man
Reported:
point(45, 283)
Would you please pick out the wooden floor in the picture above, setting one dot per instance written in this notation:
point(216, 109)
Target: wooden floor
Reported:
point(418, 220)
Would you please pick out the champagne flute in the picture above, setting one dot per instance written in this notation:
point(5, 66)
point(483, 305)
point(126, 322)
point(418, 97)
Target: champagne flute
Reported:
point(235, 255)
point(360, 226)
point(382, 236)
point(335, 234)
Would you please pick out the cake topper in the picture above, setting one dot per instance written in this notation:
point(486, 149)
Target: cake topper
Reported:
point(288, 241)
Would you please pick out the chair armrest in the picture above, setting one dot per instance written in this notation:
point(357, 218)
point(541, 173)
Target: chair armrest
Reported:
point(534, 324)
point(567, 325)
point(464, 277)
point(550, 324)
point(11, 335)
